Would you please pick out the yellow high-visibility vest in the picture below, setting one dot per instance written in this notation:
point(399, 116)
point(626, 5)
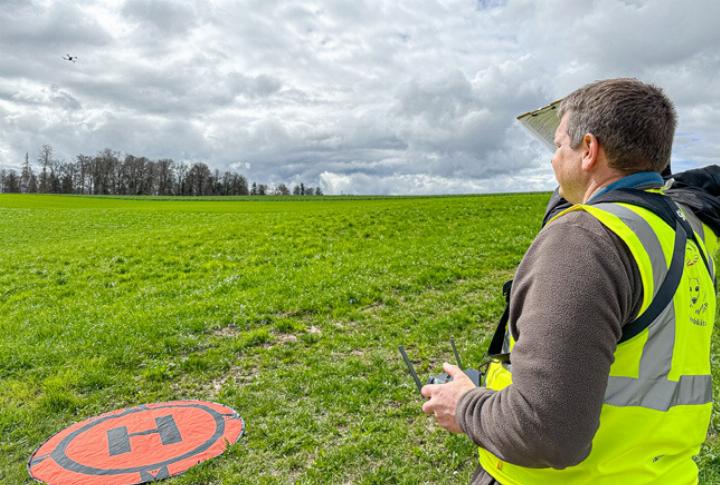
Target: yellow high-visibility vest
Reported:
point(658, 401)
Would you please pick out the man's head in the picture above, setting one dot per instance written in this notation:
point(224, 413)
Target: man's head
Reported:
point(609, 129)
point(634, 122)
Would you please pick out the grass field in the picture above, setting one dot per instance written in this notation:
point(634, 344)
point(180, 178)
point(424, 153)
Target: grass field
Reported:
point(288, 310)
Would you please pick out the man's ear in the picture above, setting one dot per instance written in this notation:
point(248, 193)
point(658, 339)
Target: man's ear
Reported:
point(591, 151)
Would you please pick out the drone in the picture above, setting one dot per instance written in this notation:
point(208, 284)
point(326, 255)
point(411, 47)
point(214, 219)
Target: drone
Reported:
point(70, 58)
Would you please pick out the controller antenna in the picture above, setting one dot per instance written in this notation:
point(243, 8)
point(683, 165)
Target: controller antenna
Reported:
point(411, 368)
point(457, 356)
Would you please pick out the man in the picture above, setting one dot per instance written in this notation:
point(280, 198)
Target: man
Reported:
point(610, 316)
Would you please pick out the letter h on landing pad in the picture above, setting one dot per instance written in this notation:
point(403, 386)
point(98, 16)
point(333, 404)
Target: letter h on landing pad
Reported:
point(119, 438)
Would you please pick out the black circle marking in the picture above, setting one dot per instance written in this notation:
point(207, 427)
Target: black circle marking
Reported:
point(58, 454)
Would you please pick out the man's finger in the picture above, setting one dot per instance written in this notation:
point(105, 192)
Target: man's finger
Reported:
point(428, 390)
point(428, 407)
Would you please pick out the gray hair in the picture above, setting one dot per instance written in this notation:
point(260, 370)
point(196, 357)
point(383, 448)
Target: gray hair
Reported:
point(634, 122)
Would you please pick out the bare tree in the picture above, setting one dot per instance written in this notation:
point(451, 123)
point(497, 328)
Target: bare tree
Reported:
point(26, 175)
point(239, 185)
point(55, 175)
point(164, 175)
point(45, 161)
point(32, 185)
point(84, 180)
point(12, 182)
point(66, 175)
point(199, 179)
point(105, 172)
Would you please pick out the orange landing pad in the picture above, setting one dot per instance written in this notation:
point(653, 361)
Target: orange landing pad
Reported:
point(136, 445)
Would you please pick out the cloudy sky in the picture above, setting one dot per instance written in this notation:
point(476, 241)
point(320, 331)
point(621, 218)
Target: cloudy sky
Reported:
point(357, 96)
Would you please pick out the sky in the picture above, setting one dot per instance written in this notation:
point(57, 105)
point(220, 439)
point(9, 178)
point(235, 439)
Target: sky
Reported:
point(357, 97)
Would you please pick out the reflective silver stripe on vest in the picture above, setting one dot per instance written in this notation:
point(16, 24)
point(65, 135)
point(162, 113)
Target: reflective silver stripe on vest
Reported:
point(647, 237)
point(697, 226)
point(652, 389)
point(694, 221)
point(660, 394)
point(506, 342)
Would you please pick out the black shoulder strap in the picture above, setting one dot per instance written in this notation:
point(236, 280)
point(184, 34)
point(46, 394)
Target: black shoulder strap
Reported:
point(670, 213)
point(495, 350)
point(666, 292)
point(660, 205)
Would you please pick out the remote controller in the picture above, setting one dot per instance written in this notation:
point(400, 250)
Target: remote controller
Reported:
point(474, 374)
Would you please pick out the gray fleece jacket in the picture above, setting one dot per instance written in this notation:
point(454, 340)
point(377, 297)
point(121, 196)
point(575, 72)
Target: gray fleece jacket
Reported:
point(575, 288)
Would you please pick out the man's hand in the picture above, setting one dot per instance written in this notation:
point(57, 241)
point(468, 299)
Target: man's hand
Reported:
point(443, 398)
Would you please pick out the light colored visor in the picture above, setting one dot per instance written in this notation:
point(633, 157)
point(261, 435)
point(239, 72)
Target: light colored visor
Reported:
point(542, 123)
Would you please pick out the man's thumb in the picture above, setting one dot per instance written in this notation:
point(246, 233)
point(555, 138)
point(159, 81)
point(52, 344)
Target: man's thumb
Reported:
point(453, 370)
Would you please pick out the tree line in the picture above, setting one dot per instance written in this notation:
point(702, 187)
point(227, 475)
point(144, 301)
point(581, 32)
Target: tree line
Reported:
point(107, 173)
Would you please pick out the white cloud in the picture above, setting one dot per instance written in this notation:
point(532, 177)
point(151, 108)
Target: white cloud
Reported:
point(419, 184)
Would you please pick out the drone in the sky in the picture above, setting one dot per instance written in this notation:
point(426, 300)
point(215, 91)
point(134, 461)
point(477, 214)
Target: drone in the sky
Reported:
point(70, 58)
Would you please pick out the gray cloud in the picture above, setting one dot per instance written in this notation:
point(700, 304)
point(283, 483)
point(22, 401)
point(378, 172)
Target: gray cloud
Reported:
point(358, 97)
point(169, 17)
point(63, 99)
point(31, 25)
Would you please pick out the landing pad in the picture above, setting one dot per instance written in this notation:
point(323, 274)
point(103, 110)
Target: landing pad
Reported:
point(137, 445)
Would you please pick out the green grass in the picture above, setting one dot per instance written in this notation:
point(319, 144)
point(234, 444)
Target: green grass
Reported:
point(289, 310)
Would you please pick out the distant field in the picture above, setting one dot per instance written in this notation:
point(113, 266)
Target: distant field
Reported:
point(289, 310)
